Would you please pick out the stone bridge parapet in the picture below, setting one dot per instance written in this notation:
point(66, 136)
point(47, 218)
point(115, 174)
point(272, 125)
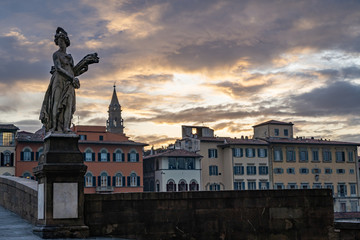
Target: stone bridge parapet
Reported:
point(19, 195)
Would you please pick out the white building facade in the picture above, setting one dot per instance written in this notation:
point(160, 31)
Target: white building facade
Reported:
point(174, 170)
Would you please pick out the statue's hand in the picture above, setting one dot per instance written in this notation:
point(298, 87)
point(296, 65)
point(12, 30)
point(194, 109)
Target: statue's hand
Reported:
point(76, 83)
point(91, 58)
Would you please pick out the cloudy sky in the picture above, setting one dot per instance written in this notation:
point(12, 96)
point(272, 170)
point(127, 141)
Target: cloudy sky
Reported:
point(227, 65)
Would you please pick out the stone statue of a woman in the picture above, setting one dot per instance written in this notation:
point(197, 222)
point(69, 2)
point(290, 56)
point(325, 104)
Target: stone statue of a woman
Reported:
point(59, 102)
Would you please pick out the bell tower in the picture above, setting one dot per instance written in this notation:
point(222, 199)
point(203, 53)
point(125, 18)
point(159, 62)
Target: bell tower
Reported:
point(115, 124)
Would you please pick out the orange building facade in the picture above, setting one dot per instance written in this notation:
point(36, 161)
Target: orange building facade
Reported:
point(115, 163)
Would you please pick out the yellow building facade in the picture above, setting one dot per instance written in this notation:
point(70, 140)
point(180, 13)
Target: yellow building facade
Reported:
point(275, 159)
point(304, 163)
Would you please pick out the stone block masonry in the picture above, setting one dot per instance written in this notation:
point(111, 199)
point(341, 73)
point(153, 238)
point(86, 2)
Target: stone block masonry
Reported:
point(267, 214)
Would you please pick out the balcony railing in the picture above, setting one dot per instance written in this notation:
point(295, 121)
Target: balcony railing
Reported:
point(104, 189)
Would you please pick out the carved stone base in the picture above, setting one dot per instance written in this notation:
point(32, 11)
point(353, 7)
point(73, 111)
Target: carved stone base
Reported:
point(60, 176)
point(61, 231)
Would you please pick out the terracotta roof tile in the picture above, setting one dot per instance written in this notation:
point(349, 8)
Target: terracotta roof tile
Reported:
point(174, 153)
point(308, 141)
point(213, 139)
point(24, 136)
point(274, 122)
point(237, 141)
point(11, 127)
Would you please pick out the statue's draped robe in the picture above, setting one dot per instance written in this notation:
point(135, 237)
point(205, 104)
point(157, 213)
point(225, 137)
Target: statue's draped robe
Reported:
point(60, 95)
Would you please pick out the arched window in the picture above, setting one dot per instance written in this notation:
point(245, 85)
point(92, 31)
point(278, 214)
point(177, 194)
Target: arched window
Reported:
point(89, 156)
point(27, 155)
point(119, 180)
point(103, 156)
point(104, 179)
point(171, 186)
point(89, 180)
point(182, 186)
point(6, 159)
point(194, 186)
point(38, 153)
point(157, 186)
point(118, 156)
point(133, 156)
point(133, 180)
point(214, 187)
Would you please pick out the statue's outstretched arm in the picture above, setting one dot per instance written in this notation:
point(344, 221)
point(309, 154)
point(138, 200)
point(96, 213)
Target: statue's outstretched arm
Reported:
point(82, 66)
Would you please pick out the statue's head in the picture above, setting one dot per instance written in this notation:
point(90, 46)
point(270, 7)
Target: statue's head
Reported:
point(60, 33)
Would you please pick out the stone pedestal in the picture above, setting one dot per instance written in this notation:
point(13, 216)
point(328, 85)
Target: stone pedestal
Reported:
point(60, 176)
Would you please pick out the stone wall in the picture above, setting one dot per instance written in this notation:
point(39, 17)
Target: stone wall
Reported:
point(347, 230)
point(19, 195)
point(268, 214)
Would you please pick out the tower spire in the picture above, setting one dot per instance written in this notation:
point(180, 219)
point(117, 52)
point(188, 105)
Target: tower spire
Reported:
point(115, 123)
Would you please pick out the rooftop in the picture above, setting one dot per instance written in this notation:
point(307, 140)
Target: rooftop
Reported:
point(308, 141)
point(24, 136)
point(243, 141)
point(174, 153)
point(213, 139)
point(274, 122)
point(10, 127)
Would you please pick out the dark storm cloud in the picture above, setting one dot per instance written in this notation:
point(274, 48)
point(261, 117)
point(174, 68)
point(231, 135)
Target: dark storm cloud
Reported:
point(240, 90)
point(15, 71)
point(332, 74)
point(151, 40)
point(219, 54)
point(16, 62)
point(232, 127)
point(264, 31)
point(209, 114)
point(339, 98)
point(351, 72)
point(153, 139)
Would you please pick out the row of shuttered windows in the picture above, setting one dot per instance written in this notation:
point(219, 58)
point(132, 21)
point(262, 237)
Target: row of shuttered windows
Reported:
point(239, 170)
point(104, 156)
point(251, 185)
point(303, 155)
point(89, 156)
point(314, 171)
point(239, 152)
point(342, 189)
point(104, 180)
